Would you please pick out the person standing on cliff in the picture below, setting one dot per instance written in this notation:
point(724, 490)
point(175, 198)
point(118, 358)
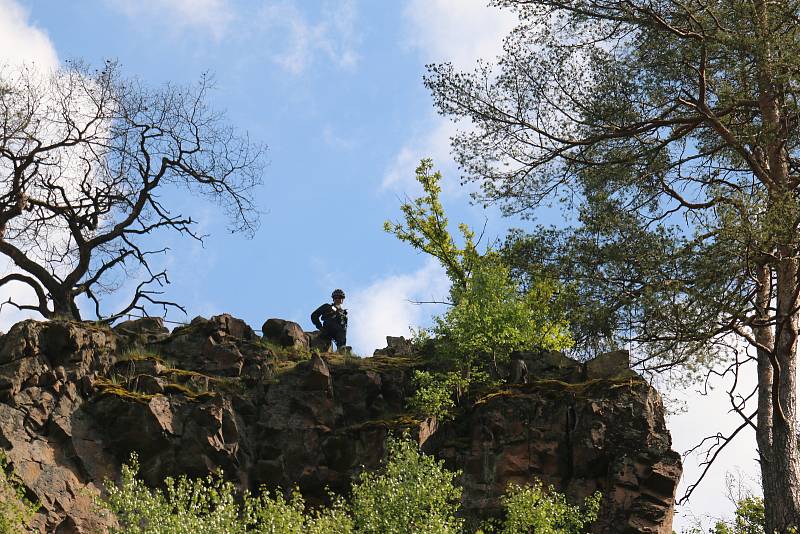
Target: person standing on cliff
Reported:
point(334, 320)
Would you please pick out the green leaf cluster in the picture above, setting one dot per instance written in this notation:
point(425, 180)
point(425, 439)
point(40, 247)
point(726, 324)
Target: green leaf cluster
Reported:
point(748, 518)
point(434, 394)
point(411, 493)
point(426, 228)
point(414, 493)
point(16, 510)
point(532, 509)
point(491, 315)
point(210, 506)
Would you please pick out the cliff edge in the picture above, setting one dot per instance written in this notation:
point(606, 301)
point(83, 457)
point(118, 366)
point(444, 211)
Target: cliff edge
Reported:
point(77, 398)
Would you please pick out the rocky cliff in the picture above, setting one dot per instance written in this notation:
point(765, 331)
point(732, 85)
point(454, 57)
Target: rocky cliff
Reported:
point(77, 398)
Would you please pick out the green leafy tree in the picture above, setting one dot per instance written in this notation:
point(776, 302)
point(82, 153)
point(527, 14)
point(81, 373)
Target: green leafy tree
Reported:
point(434, 394)
point(532, 509)
point(748, 519)
point(16, 510)
point(202, 505)
point(275, 515)
point(426, 228)
point(210, 506)
point(437, 394)
point(412, 493)
point(669, 131)
point(489, 315)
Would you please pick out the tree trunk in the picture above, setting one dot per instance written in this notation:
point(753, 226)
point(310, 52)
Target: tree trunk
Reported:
point(64, 307)
point(779, 472)
point(779, 462)
point(766, 345)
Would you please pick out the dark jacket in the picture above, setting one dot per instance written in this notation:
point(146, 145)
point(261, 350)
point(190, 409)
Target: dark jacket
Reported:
point(332, 317)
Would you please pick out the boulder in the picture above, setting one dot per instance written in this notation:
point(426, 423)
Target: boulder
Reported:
point(147, 384)
point(233, 327)
point(222, 358)
point(395, 346)
point(549, 364)
point(319, 376)
point(318, 342)
point(142, 332)
point(610, 365)
point(220, 345)
point(285, 333)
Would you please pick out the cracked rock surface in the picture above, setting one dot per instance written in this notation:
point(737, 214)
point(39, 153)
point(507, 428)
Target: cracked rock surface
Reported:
point(76, 399)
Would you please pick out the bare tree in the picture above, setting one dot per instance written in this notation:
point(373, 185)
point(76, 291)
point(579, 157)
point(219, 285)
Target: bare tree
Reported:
point(85, 158)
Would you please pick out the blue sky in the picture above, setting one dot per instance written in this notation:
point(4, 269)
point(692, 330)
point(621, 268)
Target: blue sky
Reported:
point(334, 88)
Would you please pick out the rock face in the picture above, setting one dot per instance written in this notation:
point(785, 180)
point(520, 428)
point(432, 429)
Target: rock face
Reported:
point(578, 437)
point(77, 399)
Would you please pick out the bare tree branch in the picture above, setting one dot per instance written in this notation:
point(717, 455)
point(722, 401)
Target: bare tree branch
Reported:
point(84, 155)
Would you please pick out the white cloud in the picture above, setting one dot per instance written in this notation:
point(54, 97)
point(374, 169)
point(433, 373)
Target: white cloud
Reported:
point(459, 31)
point(21, 41)
point(18, 292)
point(212, 16)
point(434, 144)
point(304, 41)
point(384, 309)
point(438, 30)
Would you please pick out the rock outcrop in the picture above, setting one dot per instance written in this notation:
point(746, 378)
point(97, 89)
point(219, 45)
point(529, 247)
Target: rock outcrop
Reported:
point(77, 399)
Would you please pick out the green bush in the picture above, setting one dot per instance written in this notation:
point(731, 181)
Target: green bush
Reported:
point(209, 506)
point(532, 509)
point(276, 515)
point(412, 493)
point(490, 315)
point(491, 318)
point(202, 506)
point(16, 511)
point(434, 394)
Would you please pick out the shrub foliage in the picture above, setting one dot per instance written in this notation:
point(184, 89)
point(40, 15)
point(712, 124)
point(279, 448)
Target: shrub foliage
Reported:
point(411, 493)
point(16, 510)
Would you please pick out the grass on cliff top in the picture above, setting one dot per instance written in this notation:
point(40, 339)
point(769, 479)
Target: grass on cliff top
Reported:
point(380, 364)
point(137, 354)
point(212, 383)
point(176, 374)
point(337, 361)
point(111, 387)
point(551, 387)
point(280, 352)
